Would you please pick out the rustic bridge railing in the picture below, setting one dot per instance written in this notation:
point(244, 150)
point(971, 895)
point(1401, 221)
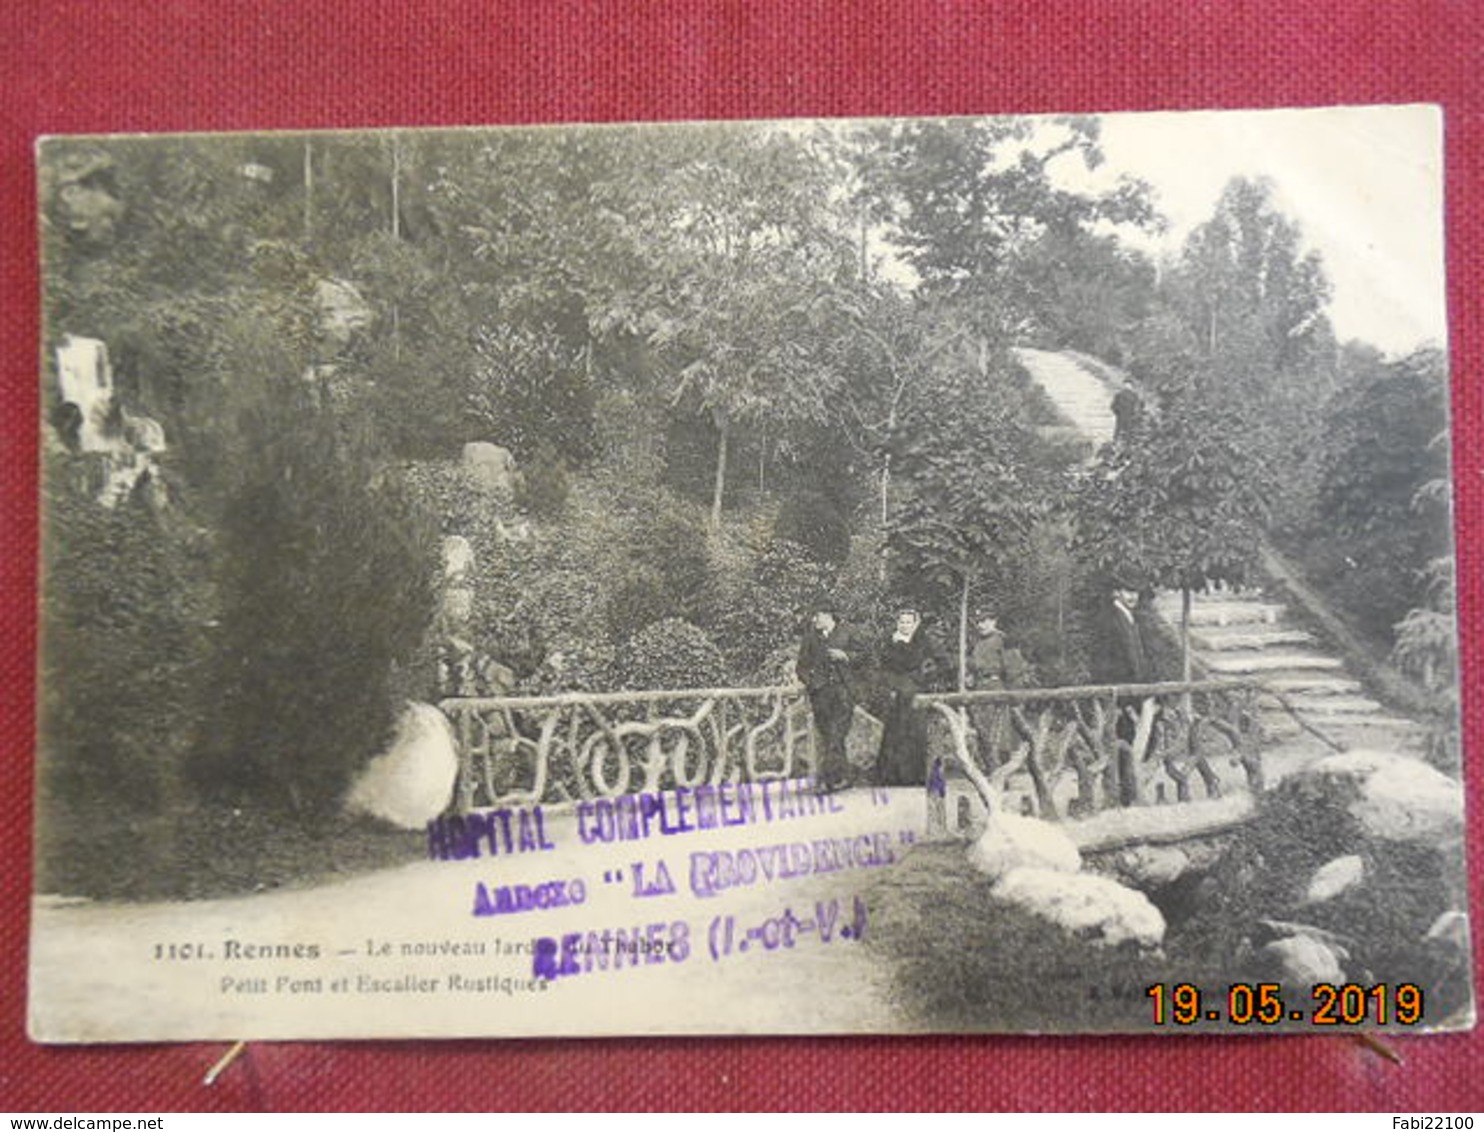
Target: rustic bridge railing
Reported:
point(1086, 749)
point(1080, 749)
point(517, 750)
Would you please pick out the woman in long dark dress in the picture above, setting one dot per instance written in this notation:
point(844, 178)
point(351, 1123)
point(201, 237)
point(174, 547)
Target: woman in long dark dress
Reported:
point(902, 760)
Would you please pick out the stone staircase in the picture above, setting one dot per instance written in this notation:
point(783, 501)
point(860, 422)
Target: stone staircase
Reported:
point(1080, 396)
point(1246, 634)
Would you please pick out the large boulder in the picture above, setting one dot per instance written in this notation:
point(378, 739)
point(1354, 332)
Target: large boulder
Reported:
point(412, 781)
point(458, 558)
point(1335, 877)
point(1392, 797)
point(1150, 867)
point(457, 607)
point(1013, 842)
point(1301, 960)
point(343, 310)
point(490, 468)
point(1089, 907)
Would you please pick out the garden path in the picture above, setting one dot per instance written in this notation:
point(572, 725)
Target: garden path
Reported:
point(376, 936)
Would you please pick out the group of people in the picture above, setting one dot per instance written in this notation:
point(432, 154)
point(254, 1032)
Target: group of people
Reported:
point(833, 663)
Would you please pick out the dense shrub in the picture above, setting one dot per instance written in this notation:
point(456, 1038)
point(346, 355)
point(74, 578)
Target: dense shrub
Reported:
point(763, 609)
point(124, 634)
point(1270, 862)
point(327, 574)
point(543, 486)
point(860, 589)
point(635, 603)
point(813, 521)
point(1369, 543)
point(532, 386)
point(442, 490)
point(665, 570)
point(671, 654)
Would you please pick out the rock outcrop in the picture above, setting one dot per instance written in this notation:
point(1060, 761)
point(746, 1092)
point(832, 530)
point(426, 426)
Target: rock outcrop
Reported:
point(1013, 842)
point(412, 781)
point(1092, 908)
point(490, 468)
point(1392, 797)
point(1335, 877)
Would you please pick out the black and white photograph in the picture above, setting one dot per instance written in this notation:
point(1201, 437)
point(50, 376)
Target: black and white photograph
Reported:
point(861, 576)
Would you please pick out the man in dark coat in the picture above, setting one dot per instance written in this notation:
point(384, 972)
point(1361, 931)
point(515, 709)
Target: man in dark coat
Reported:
point(1125, 657)
point(1127, 409)
point(826, 655)
point(1129, 656)
point(909, 663)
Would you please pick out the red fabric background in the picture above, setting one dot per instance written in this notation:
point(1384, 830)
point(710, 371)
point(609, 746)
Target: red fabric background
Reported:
point(97, 65)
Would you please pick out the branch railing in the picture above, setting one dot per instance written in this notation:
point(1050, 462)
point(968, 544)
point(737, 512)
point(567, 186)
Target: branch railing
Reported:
point(525, 750)
point(1086, 749)
point(1079, 749)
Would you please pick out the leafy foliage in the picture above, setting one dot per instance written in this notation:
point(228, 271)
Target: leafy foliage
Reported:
point(543, 486)
point(969, 498)
point(1179, 505)
point(761, 611)
point(1372, 535)
point(326, 588)
point(969, 200)
point(124, 632)
point(814, 522)
point(672, 654)
point(803, 327)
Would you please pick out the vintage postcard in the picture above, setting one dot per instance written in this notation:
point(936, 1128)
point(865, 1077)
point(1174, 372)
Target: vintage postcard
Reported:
point(829, 577)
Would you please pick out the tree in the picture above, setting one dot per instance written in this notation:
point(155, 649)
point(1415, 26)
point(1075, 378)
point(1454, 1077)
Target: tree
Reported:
point(968, 201)
point(124, 633)
point(1376, 525)
point(741, 251)
point(1253, 302)
point(1086, 291)
point(1247, 289)
point(1178, 505)
point(970, 500)
point(326, 579)
point(891, 347)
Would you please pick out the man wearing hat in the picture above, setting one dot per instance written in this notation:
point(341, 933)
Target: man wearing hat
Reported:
point(826, 655)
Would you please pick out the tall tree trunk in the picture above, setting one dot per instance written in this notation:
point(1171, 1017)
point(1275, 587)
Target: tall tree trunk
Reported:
point(721, 474)
point(885, 483)
point(1185, 633)
point(963, 634)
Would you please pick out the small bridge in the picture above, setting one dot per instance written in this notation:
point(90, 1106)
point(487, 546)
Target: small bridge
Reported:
point(1059, 753)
